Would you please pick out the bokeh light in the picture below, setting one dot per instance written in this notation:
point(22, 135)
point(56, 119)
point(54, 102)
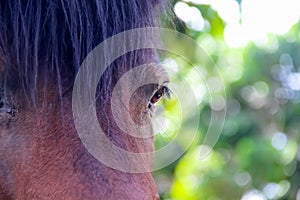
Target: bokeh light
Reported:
point(255, 44)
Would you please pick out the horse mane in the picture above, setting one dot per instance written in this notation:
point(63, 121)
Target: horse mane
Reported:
point(51, 38)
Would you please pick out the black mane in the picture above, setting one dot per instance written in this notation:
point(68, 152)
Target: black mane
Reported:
point(50, 38)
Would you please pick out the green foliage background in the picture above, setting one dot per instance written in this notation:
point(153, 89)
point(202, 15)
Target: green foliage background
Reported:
point(262, 110)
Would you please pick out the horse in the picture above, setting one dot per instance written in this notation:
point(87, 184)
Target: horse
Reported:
point(42, 45)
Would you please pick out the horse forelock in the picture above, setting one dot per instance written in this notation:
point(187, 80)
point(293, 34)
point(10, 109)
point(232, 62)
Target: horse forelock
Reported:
point(49, 39)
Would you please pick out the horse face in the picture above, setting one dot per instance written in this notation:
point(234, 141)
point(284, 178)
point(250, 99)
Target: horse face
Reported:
point(42, 156)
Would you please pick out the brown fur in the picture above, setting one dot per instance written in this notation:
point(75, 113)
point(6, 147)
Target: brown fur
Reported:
point(43, 158)
point(42, 44)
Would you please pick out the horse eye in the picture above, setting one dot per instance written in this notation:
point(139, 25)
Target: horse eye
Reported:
point(159, 94)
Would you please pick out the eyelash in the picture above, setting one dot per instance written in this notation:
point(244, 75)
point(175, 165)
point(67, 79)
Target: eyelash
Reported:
point(158, 95)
